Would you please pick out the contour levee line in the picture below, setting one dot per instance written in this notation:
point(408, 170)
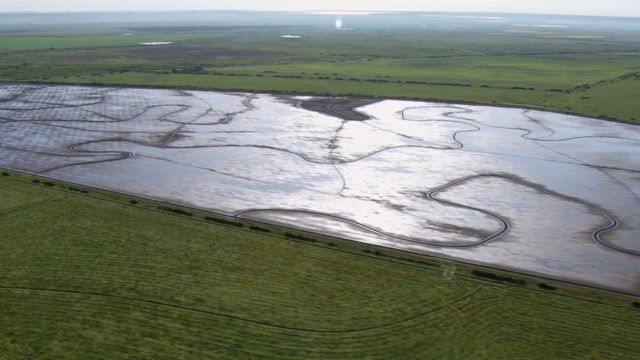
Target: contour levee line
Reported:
point(609, 175)
point(540, 141)
point(53, 105)
point(123, 155)
point(364, 226)
point(504, 223)
point(596, 235)
point(475, 123)
point(433, 145)
point(552, 132)
point(246, 102)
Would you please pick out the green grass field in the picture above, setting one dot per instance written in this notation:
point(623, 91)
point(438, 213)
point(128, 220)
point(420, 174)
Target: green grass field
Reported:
point(86, 273)
point(487, 65)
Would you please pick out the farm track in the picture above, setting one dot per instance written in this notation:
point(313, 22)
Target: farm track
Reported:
point(377, 328)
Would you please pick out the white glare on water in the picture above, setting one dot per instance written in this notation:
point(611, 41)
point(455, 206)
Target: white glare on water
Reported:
point(535, 192)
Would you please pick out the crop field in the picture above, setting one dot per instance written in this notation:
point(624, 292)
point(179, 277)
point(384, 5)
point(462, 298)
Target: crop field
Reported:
point(580, 68)
point(108, 275)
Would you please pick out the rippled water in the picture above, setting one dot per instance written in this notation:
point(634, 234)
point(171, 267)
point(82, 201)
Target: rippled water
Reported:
point(536, 192)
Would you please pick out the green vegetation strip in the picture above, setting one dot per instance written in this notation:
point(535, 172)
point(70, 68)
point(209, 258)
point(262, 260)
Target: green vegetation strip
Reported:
point(86, 273)
point(564, 72)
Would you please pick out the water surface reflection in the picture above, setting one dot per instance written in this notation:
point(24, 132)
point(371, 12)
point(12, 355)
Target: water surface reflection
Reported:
point(513, 188)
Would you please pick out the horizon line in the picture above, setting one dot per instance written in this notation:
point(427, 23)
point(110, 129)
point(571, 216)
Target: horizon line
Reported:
point(310, 12)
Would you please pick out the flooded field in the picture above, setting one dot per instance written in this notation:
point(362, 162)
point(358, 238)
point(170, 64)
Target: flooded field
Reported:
point(535, 192)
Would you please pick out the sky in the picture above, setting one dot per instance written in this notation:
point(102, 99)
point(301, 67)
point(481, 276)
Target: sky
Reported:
point(627, 8)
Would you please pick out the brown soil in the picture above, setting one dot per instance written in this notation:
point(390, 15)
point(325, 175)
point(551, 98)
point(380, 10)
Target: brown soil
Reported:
point(341, 107)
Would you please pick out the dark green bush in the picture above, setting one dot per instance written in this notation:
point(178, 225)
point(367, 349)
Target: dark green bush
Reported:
point(224, 221)
point(175, 211)
point(258, 228)
point(421, 262)
point(492, 276)
point(289, 235)
point(544, 286)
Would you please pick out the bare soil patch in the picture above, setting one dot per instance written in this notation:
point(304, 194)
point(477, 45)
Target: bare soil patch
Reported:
point(341, 107)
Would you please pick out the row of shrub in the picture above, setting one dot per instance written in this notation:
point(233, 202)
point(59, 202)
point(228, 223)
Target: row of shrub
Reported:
point(78, 190)
point(492, 276)
point(175, 211)
point(292, 236)
point(224, 221)
point(51, 184)
point(373, 80)
point(47, 183)
point(421, 262)
point(377, 253)
point(259, 229)
point(289, 235)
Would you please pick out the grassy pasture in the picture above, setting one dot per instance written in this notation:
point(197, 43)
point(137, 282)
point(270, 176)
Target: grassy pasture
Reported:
point(487, 64)
point(88, 273)
point(617, 94)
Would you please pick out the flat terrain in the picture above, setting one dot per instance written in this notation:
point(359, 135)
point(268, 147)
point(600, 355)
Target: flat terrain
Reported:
point(587, 66)
point(111, 276)
point(87, 273)
point(510, 188)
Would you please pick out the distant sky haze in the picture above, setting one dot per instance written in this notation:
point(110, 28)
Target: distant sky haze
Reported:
point(627, 8)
